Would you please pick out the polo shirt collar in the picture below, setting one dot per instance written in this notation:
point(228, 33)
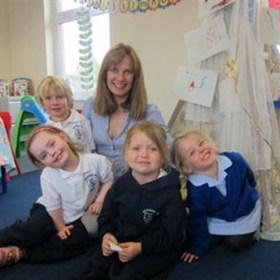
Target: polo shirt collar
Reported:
point(199, 179)
point(83, 167)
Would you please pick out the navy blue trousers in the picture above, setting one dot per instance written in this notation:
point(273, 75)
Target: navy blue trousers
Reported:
point(151, 267)
point(38, 235)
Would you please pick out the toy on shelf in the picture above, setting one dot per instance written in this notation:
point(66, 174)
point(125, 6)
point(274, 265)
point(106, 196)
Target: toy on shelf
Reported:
point(21, 86)
point(29, 104)
point(29, 116)
point(4, 88)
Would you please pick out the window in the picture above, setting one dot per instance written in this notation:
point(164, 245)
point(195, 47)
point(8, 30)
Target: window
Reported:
point(70, 50)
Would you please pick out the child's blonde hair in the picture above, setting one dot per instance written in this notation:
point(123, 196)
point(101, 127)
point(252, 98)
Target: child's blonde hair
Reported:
point(54, 82)
point(75, 147)
point(177, 159)
point(154, 132)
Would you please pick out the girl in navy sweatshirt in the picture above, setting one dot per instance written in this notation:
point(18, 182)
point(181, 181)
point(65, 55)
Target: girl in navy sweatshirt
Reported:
point(222, 199)
point(142, 223)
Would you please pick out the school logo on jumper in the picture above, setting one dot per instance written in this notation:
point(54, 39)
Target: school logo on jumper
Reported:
point(149, 214)
point(90, 180)
point(78, 131)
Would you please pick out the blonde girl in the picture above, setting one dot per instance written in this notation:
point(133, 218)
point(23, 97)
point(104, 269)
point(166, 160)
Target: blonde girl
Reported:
point(142, 223)
point(222, 199)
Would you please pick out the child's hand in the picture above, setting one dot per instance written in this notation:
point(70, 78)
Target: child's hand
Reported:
point(65, 232)
point(106, 248)
point(130, 250)
point(95, 208)
point(187, 257)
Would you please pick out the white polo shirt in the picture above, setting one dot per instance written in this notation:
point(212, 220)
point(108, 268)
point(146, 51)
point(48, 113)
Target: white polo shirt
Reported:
point(77, 126)
point(73, 192)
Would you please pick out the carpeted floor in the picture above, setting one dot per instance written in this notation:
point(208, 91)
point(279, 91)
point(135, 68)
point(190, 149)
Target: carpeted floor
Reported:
point(261, 262)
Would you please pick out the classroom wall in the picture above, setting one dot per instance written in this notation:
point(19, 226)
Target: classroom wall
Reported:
point(4, 42)
point(158, 38)
point(156, 35)
point(27, 39)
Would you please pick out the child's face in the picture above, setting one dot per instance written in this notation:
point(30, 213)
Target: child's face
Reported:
point(198, 155)
point(56, 104)
point(52, 150)
point(143, 156)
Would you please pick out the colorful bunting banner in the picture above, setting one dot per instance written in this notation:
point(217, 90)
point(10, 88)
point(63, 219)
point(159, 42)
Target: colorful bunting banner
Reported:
point(128, 6)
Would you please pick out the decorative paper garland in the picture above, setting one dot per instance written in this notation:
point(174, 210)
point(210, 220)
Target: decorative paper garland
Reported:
point(131, 6)
point(231, 71)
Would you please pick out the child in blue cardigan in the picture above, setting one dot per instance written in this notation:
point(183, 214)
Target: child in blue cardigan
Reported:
point(222, 199)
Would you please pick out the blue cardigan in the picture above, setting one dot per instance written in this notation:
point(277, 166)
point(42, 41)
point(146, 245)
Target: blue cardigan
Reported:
point(204, 201)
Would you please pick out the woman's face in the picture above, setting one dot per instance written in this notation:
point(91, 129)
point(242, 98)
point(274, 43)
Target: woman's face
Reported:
point(120, 78)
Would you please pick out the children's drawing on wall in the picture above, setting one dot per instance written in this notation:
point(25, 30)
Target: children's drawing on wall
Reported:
point(269, 26)
point(195, 85)
point(275, 4)
point(275, 86)
point(207, 41)
point(209, 6)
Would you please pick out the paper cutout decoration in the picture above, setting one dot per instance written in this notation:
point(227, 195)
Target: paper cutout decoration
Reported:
point(130, 6)
point(206, 41)
point(195, 85)
point(268, 27)
point(275, 4)
point(209, 6)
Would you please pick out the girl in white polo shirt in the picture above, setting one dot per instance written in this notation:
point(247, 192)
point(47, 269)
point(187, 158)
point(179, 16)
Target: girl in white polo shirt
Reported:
point(73, 186)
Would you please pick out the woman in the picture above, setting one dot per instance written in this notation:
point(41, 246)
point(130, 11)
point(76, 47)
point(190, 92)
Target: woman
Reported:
point(120, 102)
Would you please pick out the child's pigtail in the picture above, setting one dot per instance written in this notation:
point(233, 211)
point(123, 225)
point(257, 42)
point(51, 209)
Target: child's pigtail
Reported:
point(183, 189)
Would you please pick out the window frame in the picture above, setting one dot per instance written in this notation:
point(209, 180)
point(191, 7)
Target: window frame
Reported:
point(61, 17)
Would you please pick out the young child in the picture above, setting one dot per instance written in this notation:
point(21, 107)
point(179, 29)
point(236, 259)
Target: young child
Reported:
point(222, 199)
point(56, 98)
point(73, 185)
point(142, 222)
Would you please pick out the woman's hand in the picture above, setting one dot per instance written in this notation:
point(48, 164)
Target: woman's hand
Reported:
point(64, 232)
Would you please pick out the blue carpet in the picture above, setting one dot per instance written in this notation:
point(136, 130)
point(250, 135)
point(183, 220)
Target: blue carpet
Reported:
point(261, 262)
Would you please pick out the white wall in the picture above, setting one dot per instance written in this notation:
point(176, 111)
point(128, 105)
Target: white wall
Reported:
point(158, 38)
point(4, 42)
point(27, 39)
point(156, 35)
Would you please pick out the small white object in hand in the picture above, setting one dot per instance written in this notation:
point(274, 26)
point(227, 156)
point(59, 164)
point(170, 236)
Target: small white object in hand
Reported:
point(115, 247)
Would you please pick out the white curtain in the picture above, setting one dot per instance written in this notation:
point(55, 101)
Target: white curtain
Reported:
point(242, 117)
